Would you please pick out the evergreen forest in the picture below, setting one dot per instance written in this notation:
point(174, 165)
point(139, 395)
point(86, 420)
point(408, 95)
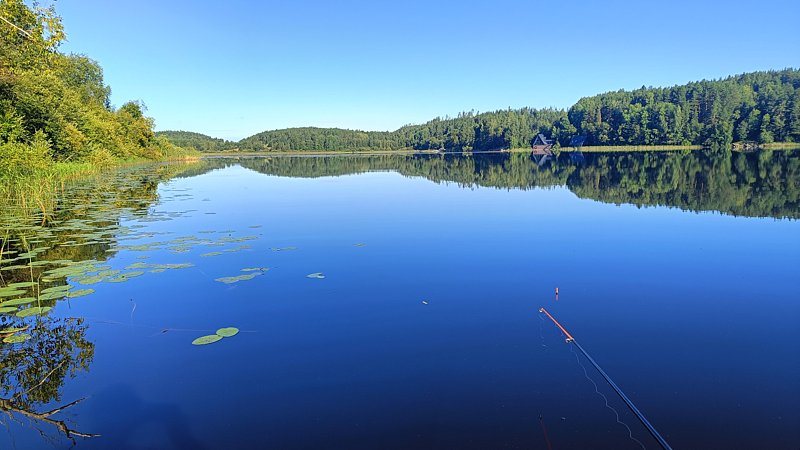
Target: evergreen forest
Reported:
point(758, 108)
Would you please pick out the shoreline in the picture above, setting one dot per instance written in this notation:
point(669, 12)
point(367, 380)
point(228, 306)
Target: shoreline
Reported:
point(409, 152)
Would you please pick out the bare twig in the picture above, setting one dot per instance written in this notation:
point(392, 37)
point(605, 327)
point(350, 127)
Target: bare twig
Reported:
point(16, 27)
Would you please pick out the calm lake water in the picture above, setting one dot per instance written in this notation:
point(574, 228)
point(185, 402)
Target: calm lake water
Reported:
point(677, 272)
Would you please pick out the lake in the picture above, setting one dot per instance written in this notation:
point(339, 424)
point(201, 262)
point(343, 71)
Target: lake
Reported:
point(392, 302)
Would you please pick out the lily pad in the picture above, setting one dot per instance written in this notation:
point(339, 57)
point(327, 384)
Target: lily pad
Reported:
point(90, 280)
point(22, 284)
point(255, 269)
point(211, 254)
point(7, 309)
point(204, 340)
point(229, 280)
point(80, 293)
point(228, 331)
point(53, 295)
point(17, 338)
point(317, 275)
point(12, 330)
point(61, 288)
point(33, 311)
point(18, 301)
point(10, 292)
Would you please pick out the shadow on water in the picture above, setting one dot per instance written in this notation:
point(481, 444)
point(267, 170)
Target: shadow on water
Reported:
point(136, 423)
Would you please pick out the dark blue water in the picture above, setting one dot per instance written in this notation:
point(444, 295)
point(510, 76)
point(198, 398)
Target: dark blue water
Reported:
point(428, 335)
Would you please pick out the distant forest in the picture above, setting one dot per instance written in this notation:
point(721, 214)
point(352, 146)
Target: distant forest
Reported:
point(758, 107)
point(187, 139)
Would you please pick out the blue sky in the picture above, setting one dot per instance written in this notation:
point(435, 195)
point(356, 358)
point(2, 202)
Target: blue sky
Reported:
point(234, 68)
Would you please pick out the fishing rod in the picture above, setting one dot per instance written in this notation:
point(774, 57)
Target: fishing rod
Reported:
point(628, 402)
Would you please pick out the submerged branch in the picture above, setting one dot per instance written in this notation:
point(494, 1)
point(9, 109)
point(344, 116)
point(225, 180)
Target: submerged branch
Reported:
point(9, 407)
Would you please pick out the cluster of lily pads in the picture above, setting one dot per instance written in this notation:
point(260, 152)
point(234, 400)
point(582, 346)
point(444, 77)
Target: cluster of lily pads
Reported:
point(88, 220)
point(211, 338)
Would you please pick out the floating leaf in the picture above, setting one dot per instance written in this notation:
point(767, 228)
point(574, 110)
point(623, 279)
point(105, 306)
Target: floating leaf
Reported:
point(203, 340)
point(33, 311)
point(22, 284)
point(317, 275)
point(80, 293)
point(12, 330)
point(211, 254)
point(229, 280)
point(90, 280)
point(255, 269)
point(108, 273)
point(10, 292)
point(228, 332)
point(53, 295)
point(17, 338)
point(283, 249)
point(7, 309)
point(18, 301)
point(61, 288)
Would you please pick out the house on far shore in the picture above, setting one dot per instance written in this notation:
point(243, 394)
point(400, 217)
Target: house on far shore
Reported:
point(541, 145)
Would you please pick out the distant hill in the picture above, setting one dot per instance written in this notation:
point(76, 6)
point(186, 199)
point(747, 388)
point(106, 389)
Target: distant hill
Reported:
point(759, 107)
point(510, 128)
point(201, 142)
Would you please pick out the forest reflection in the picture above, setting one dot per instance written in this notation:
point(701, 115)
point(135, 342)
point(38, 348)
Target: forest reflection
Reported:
point(754, 184)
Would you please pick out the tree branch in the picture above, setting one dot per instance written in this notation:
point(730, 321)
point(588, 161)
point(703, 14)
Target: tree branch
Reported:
point(7, 406)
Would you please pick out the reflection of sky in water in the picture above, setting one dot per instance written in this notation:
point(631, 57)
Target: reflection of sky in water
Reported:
point(693, 314)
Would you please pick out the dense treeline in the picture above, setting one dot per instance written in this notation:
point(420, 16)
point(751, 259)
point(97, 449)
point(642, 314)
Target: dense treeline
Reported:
point(755, 184)
point(197, 141)
point(55, 107)
point(470, 131)
point(759, 107)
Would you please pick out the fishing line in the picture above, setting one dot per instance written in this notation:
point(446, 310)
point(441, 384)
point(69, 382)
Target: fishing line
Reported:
point(650, 428)
point(605, 399)
point(541, 334)
point(162, 330)
point(544, 431)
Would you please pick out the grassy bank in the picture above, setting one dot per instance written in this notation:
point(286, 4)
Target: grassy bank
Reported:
point(34, 186)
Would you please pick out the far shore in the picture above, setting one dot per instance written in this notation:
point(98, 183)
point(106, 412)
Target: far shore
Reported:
point(587, 149)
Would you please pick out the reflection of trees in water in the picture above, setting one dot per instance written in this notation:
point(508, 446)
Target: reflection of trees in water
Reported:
point(79, 223)
point(33, 372)
point(761, 184)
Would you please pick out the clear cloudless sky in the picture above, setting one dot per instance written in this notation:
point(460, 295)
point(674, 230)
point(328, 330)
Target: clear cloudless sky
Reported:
point(234, 68)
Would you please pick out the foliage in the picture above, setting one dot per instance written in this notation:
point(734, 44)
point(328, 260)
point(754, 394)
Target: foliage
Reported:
point(55, 107)
point(757, 107)
point(470, 131)
point(201, 142)
point(761, 107)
